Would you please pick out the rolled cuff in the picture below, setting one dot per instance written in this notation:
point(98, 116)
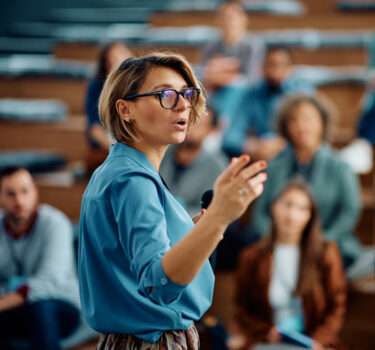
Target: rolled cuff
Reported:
point(159, 288)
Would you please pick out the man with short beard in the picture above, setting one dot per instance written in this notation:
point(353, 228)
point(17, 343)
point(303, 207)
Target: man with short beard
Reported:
point(39, 300)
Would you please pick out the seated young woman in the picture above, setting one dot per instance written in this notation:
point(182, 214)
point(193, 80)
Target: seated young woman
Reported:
point(292, 280)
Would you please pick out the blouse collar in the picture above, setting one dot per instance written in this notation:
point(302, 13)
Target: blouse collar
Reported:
point(121, 150)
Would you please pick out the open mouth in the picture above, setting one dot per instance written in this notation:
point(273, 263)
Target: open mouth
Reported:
point(181, 122)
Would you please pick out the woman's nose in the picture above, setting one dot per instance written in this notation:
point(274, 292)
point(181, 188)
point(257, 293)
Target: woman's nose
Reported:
point(182, 103)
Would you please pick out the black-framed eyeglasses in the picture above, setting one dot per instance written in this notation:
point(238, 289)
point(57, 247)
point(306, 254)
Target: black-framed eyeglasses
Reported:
point(169, 97)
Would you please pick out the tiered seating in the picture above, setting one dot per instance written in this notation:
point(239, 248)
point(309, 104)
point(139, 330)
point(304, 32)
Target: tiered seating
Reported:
point(313, 47)
point(319, 36)
point(261, 21)
point(51, 140)
point(63, 137)
point(63, 191)
point(30, 76)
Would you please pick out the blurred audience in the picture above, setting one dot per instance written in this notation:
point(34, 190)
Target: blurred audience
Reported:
point(303, 122)
point(358, 153)
point(366, 127)
point(235, 54)
point(234, 59)
point(189, 169)
point(99, 141)
point(39, 300)
point(252, 124)
point(291, 281)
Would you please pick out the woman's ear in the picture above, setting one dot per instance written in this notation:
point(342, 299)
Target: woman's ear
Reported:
point(124, 110)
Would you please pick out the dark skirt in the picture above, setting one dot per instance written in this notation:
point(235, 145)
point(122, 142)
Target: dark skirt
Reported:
point(187, 339)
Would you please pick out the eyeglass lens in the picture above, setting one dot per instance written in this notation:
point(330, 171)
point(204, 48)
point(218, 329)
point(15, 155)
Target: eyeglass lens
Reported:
point(169, 97)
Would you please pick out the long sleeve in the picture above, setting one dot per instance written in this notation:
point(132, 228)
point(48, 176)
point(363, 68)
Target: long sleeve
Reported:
point(366, 126)
point(252, 310)
point(94, 89)
point(235, 136)
point(342, 225)
point(335, 284)
point(143, 235)
point(53, 275)
point(254, 59)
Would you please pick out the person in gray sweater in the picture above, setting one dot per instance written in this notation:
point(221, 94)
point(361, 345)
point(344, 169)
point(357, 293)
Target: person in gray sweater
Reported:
point(189, 169)
point(39, 300)
point(303, 122)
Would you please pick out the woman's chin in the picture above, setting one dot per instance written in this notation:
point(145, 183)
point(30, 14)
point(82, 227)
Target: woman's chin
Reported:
point(177, 139)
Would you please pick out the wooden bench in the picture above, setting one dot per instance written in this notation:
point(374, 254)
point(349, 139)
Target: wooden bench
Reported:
point(66, 197)
point(330, 56)
point(66, 137)
point(70, 91)
point(260, 21)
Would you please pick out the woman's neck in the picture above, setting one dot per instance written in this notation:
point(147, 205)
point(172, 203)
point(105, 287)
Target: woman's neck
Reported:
point(154, 154)
point(287, 242)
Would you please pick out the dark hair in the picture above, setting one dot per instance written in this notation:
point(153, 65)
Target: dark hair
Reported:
point(102, 72)
point(311, 242)
point(274, 48)
point(287, 107)
point(10, 170)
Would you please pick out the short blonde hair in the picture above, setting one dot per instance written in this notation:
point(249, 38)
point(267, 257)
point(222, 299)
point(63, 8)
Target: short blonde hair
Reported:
point(128, 78)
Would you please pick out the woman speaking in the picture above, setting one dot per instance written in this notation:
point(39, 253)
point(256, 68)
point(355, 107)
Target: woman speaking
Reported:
point(143, 269)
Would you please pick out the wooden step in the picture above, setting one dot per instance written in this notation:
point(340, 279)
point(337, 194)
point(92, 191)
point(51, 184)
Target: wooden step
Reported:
point(69, 90)
point(62, 191)
point(65, 137)
point(89, 52)
point(261, 21)
point(326, 56)
point(66, 198)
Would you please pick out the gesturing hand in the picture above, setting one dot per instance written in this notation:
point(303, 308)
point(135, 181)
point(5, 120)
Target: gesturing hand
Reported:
point(237, 187)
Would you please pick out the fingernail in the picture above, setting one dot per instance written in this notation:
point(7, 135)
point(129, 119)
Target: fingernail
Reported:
point(263, 164)
point(265, 176)
point(245, 158)
point(232, 160)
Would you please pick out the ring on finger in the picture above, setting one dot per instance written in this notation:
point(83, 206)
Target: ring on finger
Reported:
point(243, 191)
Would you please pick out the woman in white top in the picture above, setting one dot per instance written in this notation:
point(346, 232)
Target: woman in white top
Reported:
point(291, 281)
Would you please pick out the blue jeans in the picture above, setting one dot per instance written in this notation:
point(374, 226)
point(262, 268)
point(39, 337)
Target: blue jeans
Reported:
point(39, 325)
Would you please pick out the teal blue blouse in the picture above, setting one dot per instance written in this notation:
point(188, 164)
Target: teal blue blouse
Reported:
point(128, 221)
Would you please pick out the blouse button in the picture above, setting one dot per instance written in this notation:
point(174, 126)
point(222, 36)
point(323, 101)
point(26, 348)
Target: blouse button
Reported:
point(163, 281)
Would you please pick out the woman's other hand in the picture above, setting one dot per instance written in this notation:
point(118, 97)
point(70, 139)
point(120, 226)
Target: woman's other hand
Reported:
point(198, 216)
point(236, 188)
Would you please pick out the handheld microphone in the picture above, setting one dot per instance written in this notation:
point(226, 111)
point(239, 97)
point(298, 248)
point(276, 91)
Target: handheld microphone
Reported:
point(205, 202)
point(206, 199)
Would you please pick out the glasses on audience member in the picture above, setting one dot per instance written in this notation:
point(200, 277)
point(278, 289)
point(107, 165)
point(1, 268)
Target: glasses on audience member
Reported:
point(168, 98)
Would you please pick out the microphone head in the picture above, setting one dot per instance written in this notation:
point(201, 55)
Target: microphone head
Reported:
point(206, 198)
